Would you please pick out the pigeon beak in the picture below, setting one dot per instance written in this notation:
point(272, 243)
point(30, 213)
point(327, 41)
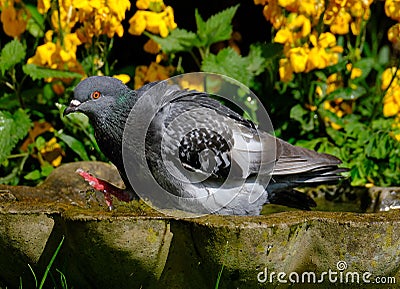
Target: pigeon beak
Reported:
point(73, 106)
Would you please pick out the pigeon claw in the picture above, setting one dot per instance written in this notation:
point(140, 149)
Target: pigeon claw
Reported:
point(108, 199)
point(108, 189)
point(94, 182)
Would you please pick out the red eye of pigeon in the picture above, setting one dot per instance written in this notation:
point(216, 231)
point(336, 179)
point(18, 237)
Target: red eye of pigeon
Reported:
point(96, 94)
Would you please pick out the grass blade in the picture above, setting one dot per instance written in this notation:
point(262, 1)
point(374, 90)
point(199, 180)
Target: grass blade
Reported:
point(50, 263)
point(34, 275)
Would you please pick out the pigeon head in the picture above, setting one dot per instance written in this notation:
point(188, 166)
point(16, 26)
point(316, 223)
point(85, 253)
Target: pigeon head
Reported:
point(95, 95)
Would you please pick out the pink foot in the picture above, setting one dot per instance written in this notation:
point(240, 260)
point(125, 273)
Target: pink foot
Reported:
point(106, 188)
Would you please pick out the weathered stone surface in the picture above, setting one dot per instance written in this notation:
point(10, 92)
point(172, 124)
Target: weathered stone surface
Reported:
point(137, 247)
point(23, 238)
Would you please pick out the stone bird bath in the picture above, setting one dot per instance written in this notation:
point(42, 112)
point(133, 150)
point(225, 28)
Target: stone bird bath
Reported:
point(136, 247)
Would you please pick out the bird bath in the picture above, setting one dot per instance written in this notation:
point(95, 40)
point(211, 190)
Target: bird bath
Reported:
point(137, 247)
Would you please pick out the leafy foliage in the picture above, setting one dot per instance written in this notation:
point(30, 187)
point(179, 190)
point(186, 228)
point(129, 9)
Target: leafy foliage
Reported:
point(13, 127)
point(178, 40)
point(228, 62)
point(37, 72)
point(215, 28)
point(11, 54)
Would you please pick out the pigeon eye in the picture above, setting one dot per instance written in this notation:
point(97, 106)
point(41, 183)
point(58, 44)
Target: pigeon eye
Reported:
point(95, 94)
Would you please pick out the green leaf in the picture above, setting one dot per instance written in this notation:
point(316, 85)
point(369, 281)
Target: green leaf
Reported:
point(302, 116)
point(177, 40)
point(13, 127)
point(347, 93)
point(366, 65)
point(384, 55)
point(201, 28)
point(379, 146)
point(40, 143)
point(255, 59)
point(11, 54)
point(298, 112)
point(75, 145)
point(319, 74)
point(337, 136)
point(33, 175)
point(35, 24)
point(217, 28)
point(229, 63)
point(8, 101)
point(46, 170)
point(37, 72)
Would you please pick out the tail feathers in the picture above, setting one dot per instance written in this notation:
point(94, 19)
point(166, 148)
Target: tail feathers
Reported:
point(297, 160)
point(330, 174)
point(321, 175)
point(292, 198)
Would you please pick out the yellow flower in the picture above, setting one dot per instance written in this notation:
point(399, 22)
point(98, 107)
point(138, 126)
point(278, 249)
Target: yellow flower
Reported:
point(390, 76)
point(313, 8)
point(394, 35)
point(341, 23)
point(339, 107)
point(43, 6)
point(298, 57)
point(297, 27)
point(391, 102)
point(43, 55)
point(153, 5)
point(101, 17)
point(56, 56)
point(137, 23)
point(157, 23)
point(58, 87)
point(392, 9)
point(324, 53)
point(125, 78)
point(194, 83)
point(143, 4)
point(88, 18)
point(152, 47)
point(334, 81)
point(52, 152)
point(287, 4)
point(14, 20)
point(154, 72)
point(318, 59)
point(274, 13)
point(119, 8)
point(341, 15)
point(283, 36)
point(302, 22)
point(285, 70)
point(355, 71)
point(326, 40)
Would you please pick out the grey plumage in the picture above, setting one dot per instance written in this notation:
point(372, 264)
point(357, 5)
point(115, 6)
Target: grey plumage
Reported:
point(208, 140)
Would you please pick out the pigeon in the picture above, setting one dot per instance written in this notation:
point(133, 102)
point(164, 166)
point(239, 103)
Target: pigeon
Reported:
point(237, 168)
